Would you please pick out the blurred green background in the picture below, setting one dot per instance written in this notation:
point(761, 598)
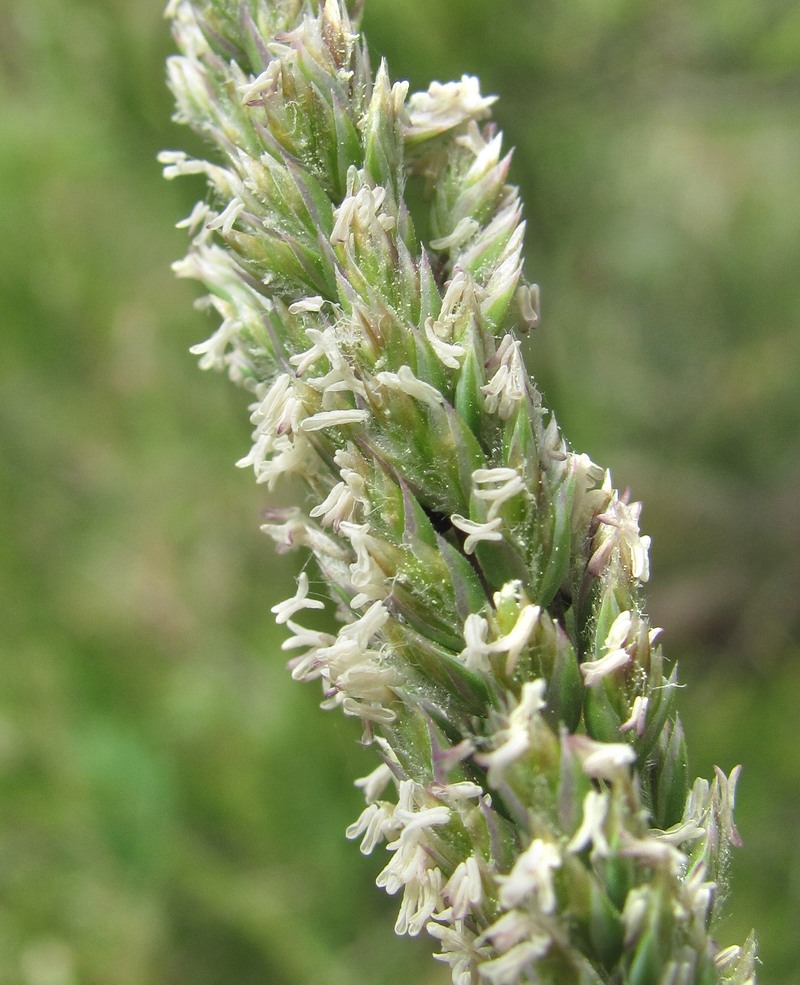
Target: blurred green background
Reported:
point(172, 806)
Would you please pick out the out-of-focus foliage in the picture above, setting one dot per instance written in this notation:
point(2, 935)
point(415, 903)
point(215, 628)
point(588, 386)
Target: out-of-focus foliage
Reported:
point(171, 806)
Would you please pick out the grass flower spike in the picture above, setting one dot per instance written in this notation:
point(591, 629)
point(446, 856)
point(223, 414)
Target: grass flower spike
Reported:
point(532, 792)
